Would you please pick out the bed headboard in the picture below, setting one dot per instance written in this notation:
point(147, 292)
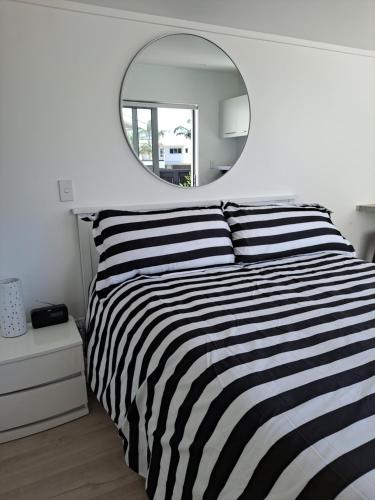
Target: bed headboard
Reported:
point(88, 254)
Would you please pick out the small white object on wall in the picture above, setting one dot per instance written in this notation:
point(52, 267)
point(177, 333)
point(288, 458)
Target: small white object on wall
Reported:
point(12, 311)
point(66, 190)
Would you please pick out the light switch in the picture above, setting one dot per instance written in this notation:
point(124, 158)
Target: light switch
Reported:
point(66, 190)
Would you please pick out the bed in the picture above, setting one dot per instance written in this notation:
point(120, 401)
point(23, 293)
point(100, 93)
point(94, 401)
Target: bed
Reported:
point(249, 380)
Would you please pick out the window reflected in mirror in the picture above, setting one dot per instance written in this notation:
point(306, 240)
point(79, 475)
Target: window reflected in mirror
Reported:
point(164, 139)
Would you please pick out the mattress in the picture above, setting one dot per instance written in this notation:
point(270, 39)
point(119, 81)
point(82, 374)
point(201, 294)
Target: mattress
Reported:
point(243, 381)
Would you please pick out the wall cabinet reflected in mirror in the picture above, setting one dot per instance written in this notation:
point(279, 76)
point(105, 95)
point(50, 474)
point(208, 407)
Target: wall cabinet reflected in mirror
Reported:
point(180, 97)
point(234, 117)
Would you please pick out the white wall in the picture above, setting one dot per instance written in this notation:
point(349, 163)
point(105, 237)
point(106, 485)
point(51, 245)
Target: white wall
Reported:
point(154, 82)
point(312, 133)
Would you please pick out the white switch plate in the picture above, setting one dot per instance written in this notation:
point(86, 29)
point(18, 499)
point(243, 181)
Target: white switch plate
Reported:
point(66, 190)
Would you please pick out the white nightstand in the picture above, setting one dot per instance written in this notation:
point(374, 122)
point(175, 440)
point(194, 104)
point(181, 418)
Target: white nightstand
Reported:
point(42, 380)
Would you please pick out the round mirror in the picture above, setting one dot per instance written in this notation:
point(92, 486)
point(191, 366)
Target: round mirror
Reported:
point(184, 110)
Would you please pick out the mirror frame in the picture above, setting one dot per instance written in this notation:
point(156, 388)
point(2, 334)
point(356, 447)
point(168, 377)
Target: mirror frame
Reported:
point(144, 47)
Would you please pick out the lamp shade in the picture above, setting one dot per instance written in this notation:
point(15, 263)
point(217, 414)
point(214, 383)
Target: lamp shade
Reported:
point(12, 311)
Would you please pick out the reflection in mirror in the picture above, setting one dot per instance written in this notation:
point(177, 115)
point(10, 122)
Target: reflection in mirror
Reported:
point(163, 138)
point(184, 110)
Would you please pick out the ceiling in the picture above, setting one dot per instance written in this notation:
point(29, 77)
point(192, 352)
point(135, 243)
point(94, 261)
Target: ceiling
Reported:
point(341, 22)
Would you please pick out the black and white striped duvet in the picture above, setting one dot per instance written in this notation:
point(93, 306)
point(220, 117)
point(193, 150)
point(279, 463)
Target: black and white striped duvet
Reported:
point(245, 381)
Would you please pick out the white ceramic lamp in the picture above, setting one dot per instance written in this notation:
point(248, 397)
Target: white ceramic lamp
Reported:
point(12, 311)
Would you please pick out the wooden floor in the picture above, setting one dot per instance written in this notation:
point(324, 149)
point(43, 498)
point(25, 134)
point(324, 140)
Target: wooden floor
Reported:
point(79, 460)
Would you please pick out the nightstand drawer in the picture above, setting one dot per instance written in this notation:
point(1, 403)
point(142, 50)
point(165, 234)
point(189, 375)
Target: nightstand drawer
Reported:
point(39, 370)
point(33, 405)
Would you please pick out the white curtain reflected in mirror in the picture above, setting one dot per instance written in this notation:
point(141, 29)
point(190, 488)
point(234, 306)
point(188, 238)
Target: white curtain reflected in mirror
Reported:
point(184, 110)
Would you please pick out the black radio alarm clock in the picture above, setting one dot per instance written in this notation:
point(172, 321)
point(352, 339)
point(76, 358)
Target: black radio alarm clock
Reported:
point(49, 315)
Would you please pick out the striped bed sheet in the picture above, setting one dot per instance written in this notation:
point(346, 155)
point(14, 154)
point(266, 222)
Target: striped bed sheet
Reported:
point(246, 381)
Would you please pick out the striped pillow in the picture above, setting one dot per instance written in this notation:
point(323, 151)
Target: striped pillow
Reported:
point(131, 243)
point(273, 231)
